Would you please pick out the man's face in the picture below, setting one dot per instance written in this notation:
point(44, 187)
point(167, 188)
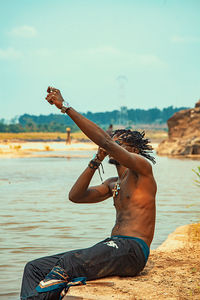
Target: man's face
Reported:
point(123, 145)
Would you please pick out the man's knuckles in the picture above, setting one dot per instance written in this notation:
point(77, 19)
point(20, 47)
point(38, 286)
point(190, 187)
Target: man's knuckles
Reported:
point(53, 95)
point(50, 101)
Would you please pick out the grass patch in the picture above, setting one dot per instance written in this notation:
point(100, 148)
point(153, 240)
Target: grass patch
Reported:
point(156, 135)
point(39, 136)
point(153, 135)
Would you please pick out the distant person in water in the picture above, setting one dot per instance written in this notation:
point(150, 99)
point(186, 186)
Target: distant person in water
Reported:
point(126, 251)
point(110, 130)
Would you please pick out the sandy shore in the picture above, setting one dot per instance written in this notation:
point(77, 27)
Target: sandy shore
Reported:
point(44, 149)
point(172, 272)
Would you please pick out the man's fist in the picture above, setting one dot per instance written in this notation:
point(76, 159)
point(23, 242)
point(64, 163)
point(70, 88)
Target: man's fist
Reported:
point(54, 97)
point(101, 154)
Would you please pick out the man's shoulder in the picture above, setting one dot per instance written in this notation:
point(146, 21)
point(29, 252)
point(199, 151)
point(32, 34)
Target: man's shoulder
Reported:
point(144, 167)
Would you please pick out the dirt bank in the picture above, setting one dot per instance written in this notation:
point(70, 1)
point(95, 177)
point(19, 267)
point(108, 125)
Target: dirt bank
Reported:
point(172, 272)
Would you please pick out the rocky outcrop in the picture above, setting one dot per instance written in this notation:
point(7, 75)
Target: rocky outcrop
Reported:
point(183, 133)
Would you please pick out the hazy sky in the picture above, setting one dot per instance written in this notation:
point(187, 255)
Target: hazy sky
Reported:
point(101, 53)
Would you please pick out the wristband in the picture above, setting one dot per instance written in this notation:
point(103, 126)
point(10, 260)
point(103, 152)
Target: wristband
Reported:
point(96, 158)
point(93, 164)
point(65, 107)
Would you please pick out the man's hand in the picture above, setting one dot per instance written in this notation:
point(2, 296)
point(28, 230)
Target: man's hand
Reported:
point(101, 154)
point(54, 97)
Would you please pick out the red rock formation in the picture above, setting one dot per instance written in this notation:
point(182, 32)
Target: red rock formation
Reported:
point(183, 133)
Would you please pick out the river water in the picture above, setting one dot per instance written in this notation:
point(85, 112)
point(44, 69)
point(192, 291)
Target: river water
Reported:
point(37, 219)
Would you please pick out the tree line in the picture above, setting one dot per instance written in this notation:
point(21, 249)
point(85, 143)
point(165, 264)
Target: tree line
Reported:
point(59, 122)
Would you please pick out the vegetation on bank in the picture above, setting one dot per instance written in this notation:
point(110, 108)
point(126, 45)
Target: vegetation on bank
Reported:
point(40, 136)
point(123, 117)
point(197, 181)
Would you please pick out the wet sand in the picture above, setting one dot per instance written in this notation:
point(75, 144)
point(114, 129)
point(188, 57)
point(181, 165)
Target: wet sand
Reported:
point(172, 272)
point(41, 149)
point(44, 149)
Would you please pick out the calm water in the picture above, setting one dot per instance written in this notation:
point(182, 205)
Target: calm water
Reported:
point(37, 219)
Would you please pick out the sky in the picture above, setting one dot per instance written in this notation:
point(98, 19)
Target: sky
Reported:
point(101, 54)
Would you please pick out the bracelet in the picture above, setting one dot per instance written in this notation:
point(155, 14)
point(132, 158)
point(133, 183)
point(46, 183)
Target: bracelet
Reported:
point(96, 158)
point(93, 164)
point(65, 107)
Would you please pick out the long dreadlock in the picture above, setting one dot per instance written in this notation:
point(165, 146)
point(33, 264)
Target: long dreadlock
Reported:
point(136, 139)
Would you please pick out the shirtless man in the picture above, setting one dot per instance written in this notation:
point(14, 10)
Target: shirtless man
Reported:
point(125, 253)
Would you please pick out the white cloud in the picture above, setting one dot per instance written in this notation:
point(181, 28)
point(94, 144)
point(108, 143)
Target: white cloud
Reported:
point(185, 39)
point(9, 53)
point(24, 31)
point(112, 54)
point(105, 50)
point(43, 52)
point(150, 60)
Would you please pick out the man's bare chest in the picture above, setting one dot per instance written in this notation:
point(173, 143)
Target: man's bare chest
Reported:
point(123, 191)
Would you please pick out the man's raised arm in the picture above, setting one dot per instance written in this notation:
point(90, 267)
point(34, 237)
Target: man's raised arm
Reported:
point(94, 132)
point(99, 136)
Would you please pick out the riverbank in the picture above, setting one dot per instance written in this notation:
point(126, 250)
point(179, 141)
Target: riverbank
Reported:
point(44, 149)
point(154, 136)
point(172, 272)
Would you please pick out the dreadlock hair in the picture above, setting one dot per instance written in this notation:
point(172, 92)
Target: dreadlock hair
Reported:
point(136, 139)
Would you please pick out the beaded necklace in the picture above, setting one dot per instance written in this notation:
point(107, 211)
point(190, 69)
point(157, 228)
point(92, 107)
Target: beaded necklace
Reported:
point(117, 187)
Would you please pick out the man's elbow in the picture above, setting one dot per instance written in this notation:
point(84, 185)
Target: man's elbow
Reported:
point(72, 198)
